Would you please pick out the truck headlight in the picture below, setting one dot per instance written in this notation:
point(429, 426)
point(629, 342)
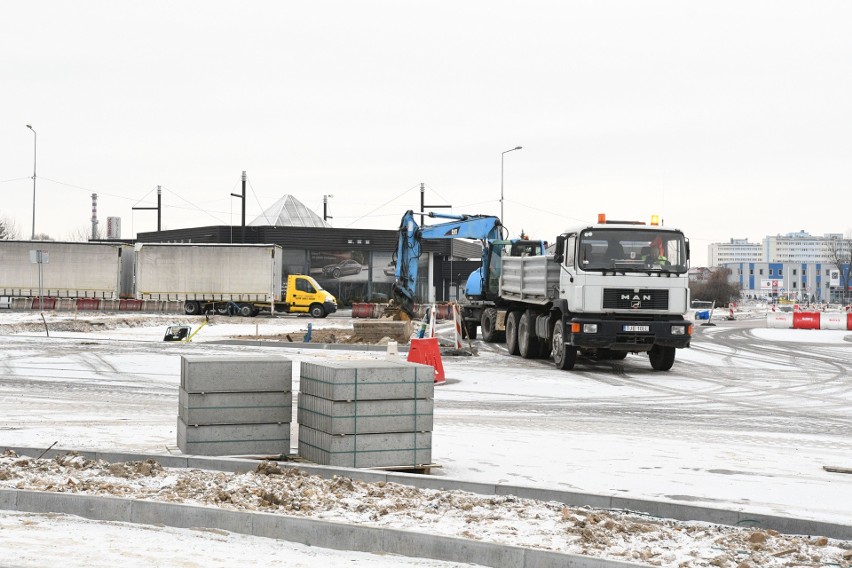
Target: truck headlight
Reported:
point(590, 328)
point(679, 330)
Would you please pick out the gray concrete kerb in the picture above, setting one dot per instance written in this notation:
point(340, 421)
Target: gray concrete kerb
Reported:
point(662, 509)
point(311, 532)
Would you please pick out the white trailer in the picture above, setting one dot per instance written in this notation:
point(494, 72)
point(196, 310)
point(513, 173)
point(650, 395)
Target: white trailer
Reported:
point(67, 269)
point(210, 276)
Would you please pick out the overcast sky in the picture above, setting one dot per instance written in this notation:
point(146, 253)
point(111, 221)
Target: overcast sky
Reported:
point(728, 119)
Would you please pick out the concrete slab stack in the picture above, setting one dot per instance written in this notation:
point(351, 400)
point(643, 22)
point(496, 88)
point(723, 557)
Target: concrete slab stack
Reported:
point(235, 405)
point(366, 413)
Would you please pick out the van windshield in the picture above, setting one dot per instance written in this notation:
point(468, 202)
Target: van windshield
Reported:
point(632, 250)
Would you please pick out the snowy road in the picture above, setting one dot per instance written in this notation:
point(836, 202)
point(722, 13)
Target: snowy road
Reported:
point(747, 418)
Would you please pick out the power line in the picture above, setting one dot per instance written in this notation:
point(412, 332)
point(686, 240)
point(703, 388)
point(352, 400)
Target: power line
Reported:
point(384, 204)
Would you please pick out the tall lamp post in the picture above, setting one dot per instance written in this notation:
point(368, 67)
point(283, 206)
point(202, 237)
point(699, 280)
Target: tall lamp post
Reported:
point(501, 180)
point(325, 215)
point(35, 148)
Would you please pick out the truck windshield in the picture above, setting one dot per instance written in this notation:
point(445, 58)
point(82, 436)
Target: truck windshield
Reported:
point(632, 250)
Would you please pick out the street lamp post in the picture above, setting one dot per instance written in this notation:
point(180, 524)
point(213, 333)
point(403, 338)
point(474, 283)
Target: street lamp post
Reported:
point(35, 148)
point(501, 180)
point(325, 215)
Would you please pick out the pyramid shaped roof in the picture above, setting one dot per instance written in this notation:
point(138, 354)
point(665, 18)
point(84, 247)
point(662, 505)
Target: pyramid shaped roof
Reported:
point(288, 212)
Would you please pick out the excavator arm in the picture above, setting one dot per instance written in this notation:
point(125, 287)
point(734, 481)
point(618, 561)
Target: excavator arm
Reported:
point(485, 228)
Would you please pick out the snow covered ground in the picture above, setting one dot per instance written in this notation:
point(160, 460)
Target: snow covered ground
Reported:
point(746, 419)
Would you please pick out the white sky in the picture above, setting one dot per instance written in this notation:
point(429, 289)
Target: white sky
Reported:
point(728, 119)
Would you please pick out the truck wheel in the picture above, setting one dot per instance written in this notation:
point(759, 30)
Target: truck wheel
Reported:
point(317, 311)
point(662, 358)
point(528, 344)
point(564, 356)
point(512, 332)
point(222, 309)
point(470, 329)
point(192, 308)
point(489, 326)
point(246, 310)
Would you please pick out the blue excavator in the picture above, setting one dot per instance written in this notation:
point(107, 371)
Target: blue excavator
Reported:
point(482, 287)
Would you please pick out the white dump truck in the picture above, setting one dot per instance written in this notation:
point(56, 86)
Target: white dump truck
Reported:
point(226, 278)
point(66, 269)
point(606, 290)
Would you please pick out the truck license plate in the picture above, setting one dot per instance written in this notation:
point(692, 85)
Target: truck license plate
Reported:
point(637, 328)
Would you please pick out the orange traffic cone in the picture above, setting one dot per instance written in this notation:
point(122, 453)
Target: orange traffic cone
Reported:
point(426, 351)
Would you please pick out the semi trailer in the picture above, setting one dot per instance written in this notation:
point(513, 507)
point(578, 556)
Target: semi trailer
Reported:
point(226, 278)
point(66, 269)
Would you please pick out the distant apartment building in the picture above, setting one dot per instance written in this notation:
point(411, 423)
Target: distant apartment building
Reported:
point(798, 266)
point(803, 247)
point(802, 281)
point(738, 250)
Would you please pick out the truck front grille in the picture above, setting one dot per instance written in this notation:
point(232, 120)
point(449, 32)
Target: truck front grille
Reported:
point(628, 299)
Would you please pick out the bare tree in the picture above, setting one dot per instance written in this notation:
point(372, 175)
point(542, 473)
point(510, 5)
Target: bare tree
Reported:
point(8, 231)
point(83, 235)
point(839, 253)
point(43, 237)
point(716, 288)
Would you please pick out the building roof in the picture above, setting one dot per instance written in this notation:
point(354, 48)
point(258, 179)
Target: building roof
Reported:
point(288, 212)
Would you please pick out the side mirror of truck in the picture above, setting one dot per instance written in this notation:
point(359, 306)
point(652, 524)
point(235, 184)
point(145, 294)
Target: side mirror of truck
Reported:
point(558, 255)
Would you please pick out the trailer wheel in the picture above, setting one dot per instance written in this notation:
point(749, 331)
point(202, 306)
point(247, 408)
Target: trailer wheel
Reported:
point(564, 356)
point(317, 311)
point(512, 332)
point(528, 344)
point(192, 308)
point(662, 358)
point(222, 309)
point(246, 310)
point(489, 326)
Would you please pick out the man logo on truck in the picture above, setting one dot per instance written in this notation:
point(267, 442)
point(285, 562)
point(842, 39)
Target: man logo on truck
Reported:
point(636, 301)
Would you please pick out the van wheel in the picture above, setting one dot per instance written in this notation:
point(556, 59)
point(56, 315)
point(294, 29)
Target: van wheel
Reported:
point(192, 308)
point(317, 311)
point(512, 332)
point(564, 356)
point(662, 358)
point(528, 344)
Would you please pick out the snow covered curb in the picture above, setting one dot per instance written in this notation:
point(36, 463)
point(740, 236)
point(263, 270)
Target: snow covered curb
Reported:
point(342, 513)
point(658, 509)
point(311, 532)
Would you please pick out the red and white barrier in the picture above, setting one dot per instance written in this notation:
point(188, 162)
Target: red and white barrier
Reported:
point(810, 320)
point(779, 320)
point(457, 320)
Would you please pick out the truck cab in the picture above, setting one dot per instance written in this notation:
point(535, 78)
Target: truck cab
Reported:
point(623, 287)
point(303, 294)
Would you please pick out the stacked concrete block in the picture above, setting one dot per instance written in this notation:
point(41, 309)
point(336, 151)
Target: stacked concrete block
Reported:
point(235, 406)
point(366, 413)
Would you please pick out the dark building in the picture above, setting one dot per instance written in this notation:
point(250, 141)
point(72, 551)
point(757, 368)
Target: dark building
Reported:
point(356, 265)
